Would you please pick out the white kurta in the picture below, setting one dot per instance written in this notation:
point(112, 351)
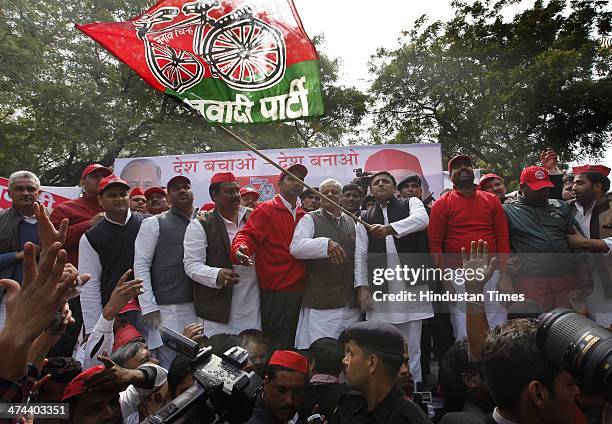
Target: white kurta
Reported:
point(599, 306)
point(174, 316)
point(91, 294)
point(313, 323)
point(394, 312)
point(244, 312)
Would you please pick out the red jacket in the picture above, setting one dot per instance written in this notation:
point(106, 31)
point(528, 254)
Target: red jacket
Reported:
point(268, 233)
point(79, 212)
point(456, 220)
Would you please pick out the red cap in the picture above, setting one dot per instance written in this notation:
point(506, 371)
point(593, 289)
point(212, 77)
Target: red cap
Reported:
point(208, 206)
point(390, 159)
point(486, 178)
point(536, 178)
point(178, 178)
point(458, 158)
point(77, 385)
point(111, 179)
point(124, 335)
point(92, 167)
point(152, 190)
point(223, 177)
point(291, 360)
point(132, 305)
point(599, 169)
point(248, 190)
point(137, 191)
point(295, 167)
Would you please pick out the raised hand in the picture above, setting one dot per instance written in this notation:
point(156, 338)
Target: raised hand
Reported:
point(124, 292)
point(479, 262)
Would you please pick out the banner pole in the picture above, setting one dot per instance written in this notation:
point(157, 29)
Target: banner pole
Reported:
point(267, 159)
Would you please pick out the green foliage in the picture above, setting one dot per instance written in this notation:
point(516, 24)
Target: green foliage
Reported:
point(65, 101)
point(500, 90)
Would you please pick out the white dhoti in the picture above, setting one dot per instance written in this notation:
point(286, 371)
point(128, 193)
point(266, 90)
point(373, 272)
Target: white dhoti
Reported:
point(175, 317)
point(314, 324)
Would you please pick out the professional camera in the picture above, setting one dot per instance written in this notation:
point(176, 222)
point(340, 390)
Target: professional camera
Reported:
point(580, 346)
point(222, 391)
point(362, 179)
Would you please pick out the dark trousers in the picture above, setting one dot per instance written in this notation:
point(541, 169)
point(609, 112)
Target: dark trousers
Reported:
point(280, 312)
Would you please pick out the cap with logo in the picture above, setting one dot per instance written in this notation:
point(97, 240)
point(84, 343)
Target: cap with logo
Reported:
point(536, 178)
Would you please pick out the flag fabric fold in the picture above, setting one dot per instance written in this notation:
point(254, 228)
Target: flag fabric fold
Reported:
point(232, 61)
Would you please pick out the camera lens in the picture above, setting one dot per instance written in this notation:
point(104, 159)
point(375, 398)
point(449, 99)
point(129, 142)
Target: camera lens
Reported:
point(580, 346)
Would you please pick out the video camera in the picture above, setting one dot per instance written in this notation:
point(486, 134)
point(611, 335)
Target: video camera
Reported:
point(222, 390)
point(362, 179)
point(580, 346)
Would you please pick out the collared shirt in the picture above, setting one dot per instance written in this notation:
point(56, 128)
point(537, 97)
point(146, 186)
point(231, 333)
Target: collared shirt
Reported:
point(89, 263)
point(584, 220)
point(245, 309)
point(144, 250)
point(291, 209)
point(499, 419)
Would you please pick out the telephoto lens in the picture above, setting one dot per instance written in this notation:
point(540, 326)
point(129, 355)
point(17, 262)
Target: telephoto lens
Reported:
point(580, 346)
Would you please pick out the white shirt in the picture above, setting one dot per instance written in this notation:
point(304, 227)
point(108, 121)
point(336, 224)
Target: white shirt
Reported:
point(131, 397)
point(584, 220)
point(291, 209)
point(89, 263)
point(393, 312)
point(144, 250)
point(244, 312)
point(102, 331)
point(303, 245)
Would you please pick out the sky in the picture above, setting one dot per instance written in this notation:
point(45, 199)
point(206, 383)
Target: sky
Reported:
point(353, 30)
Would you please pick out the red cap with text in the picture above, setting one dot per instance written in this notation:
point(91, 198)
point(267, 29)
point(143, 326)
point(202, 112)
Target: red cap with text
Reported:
point(536, 178)
point(291, 360)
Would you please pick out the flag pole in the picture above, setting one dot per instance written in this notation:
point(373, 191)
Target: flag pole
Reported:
point(266, 158)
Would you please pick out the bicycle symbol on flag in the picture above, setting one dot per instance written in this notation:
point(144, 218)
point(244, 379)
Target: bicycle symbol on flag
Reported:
point(240, 49)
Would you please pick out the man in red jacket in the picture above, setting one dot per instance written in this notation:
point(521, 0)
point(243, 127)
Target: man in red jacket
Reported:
point(82, 214)
point(268, 233)
point(457, 218)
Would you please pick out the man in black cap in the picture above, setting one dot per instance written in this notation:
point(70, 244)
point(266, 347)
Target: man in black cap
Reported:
point(374, 354)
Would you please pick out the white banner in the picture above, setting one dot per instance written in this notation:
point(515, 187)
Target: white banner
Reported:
point(338, 163)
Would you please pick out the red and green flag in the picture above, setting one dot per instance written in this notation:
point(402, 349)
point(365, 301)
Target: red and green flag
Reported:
point(233, 61)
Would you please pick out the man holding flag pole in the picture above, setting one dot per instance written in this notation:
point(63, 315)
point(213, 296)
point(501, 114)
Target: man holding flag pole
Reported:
point(236, 63)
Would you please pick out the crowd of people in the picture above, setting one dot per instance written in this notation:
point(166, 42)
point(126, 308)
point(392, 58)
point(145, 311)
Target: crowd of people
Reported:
point(87, 286)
